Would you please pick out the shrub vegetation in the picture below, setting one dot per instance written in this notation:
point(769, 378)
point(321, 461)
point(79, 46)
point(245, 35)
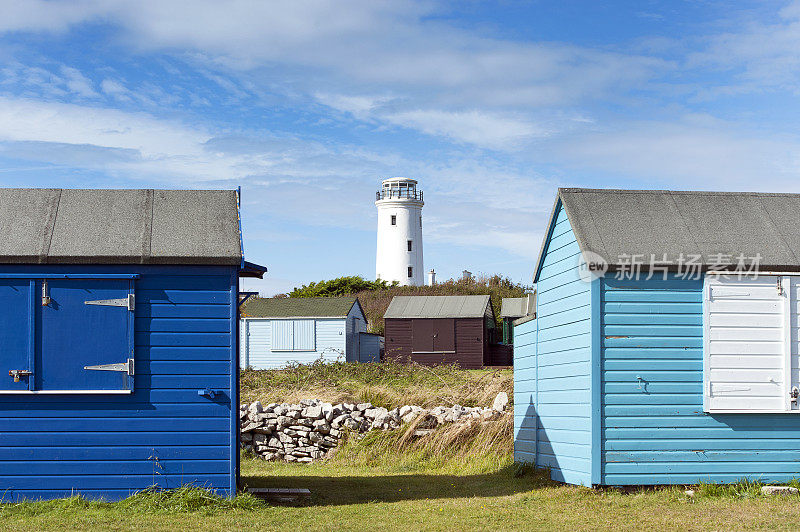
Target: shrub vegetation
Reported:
point(375, 296)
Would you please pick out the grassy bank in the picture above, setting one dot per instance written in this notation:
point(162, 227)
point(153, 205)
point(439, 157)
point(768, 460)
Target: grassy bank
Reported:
point(387, 384)
point(383, 496)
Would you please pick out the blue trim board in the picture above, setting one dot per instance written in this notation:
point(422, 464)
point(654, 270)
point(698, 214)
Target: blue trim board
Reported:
point(553, 219)
point(234, 383)
point(597, 372)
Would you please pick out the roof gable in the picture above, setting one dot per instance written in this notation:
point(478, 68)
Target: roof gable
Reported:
point(299, 307)
point(438, 307)
point(81, 226)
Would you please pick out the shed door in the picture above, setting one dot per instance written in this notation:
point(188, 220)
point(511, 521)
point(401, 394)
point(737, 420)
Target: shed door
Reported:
point(747, 348)
point(433, 335)
point(15, 332)
point(85, 335)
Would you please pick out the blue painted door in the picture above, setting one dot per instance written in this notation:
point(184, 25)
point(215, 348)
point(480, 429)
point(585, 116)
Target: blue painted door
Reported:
point(15, 332)
point(86, 323)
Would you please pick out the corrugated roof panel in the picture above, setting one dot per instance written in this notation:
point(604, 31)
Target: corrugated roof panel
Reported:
point(437, 307)
point(514, 307)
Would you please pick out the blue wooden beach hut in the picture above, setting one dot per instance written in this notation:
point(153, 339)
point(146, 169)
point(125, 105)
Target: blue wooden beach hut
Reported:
point(643, 364)
point(118, 341)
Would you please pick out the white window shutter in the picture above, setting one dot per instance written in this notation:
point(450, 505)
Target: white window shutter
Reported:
point(282, 335)
point(747, 343)
point(304, 335)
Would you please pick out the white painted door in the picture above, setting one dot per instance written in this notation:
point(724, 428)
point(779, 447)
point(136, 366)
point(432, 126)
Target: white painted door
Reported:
point(747, 352)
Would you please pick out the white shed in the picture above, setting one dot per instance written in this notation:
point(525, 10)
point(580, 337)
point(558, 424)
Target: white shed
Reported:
point(277, 331)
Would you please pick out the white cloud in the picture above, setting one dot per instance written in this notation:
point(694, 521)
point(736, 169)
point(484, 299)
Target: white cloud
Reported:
point(394, 44)
point(360, 107)
point(488, 130)
point(762, 55)
point(78, 83)
point(688, 153)
point(43, 15)
point(31, 120)
point(115, 89)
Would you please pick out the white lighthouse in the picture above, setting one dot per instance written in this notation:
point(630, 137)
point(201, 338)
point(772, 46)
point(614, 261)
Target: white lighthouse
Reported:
point(399, 255)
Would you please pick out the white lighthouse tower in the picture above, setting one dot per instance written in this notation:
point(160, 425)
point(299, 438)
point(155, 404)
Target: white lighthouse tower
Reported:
point(399, 255)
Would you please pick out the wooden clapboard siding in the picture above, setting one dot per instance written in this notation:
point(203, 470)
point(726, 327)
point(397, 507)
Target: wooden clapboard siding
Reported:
point(654, 429)
point(164, 433)
point(553, 365)
point(256, 347)
point(470, 342)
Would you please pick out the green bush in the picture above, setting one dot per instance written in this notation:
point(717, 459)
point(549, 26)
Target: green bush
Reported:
point(340, 286)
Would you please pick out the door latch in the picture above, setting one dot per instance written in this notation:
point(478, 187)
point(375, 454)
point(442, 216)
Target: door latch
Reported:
point(46, 299)
point(17, 373)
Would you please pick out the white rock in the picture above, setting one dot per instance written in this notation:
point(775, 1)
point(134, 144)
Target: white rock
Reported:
point(363, 406)
point(500, 402)
point(375, 413)
point(779, 490)
point(411, 416)
point(312, 412)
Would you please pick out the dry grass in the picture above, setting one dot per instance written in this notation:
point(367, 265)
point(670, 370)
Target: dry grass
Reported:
point(473, 447)
point(388, 384)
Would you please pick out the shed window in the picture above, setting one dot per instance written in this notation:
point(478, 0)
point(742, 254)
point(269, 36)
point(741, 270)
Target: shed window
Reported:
point(66, 335)
point(293, 335)
point(433, 335)
point(750, 361)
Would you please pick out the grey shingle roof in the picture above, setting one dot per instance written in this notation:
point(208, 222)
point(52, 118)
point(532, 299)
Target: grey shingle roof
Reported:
point(298, 307)
point(80, 226)
point(620, 223)
point(437, 307)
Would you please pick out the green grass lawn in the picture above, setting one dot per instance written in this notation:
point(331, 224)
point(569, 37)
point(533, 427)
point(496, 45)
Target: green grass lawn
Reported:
point(403, 498)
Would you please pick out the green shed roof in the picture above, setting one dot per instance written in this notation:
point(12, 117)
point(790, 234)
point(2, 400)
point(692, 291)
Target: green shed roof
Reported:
point(299, 307)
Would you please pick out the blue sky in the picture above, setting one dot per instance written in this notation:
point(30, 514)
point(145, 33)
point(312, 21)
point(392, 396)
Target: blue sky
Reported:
point(490, 105)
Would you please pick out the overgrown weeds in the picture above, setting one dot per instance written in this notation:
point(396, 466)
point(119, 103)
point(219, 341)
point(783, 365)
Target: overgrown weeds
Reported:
point(388, 384)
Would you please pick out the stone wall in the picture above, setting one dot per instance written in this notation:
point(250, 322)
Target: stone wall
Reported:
point(306, 431)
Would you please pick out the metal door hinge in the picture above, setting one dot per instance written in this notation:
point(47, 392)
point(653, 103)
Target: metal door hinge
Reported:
point(126, 367)
point(129, 302)
point(17, 373)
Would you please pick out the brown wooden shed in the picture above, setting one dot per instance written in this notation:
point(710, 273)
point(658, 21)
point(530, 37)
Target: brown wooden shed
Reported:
point(440, 330)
